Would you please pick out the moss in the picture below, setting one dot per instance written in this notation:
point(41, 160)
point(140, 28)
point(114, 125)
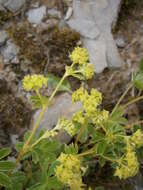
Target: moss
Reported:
point(23, 35)
point(57, 43)
point(61, 42)
point(15, 114)
point(4, 16)
point(128, 9)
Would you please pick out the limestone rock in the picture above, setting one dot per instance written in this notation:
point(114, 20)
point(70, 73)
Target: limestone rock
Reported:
point(86, 28)
point(12, 5)
point(94, 19)
point(35, 16)
point(9, 52)
point(62, 107)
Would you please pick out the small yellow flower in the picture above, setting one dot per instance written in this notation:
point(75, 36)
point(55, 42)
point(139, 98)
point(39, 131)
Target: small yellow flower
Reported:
point(67, 125)
point(34, 82)
point(128, 167)
point(79, 94)
point(69, 171)
point(137, 138)
point(79, 56)
point(78, 117)
point(88, 71)
point(100, 116)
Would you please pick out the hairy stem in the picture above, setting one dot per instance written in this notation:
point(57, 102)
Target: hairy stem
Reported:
point(26, 145)
point(57, 87)
point(132, 102)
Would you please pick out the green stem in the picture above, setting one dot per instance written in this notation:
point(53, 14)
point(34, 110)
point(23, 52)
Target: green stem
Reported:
point(121, 98)
point(91, 151)
point(57, 87)
point(26, 145)
point(132, 102)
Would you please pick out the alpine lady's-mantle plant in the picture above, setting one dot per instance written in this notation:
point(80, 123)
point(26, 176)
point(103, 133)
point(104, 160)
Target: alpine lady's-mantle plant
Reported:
point(47, 164)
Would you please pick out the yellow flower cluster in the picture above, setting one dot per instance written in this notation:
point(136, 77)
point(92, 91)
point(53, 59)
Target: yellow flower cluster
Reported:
point(90, 101)
point(100, 116)
point(69, 171)
point(129, 165)
point(87, 70)
point(34, 82)
point(78, 117)
point(67, 125)
point(137, 138)
point(79, 56)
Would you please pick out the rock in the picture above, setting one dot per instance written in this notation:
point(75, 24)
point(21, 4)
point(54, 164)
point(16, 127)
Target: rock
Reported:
point(120, 42)
point(86, 28)
point(9, 52)
point(97, 53)
point(35, 16)
point(62, 107)
point(12, 5)
point(3, 37)
point(54, 13)
point(94, 20)
point(69, 13)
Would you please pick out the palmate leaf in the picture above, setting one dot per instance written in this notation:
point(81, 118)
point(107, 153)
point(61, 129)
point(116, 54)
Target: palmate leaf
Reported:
point(53, 81)
point(7, 165)
point(5, 180)
point(4, 152)
point(17, 180)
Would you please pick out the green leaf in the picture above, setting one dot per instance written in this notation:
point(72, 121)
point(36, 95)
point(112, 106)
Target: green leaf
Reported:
point(19, 146)
point(51, 170)
point(18, 177)
point(35, 157)
point(138, 80)
point(4, 152)
point(36, 187)
point(53, 81)
point(53, 183)
point(71, 149)
point(5, 180)
point(7, 165)
point(101, 146)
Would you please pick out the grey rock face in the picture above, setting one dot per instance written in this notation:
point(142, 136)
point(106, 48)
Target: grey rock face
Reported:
point(94, 19)
point(9, 52)
point(3, 37)
point(12, 5)
point(62, 107)
point(86, 28)
point(35, 16)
